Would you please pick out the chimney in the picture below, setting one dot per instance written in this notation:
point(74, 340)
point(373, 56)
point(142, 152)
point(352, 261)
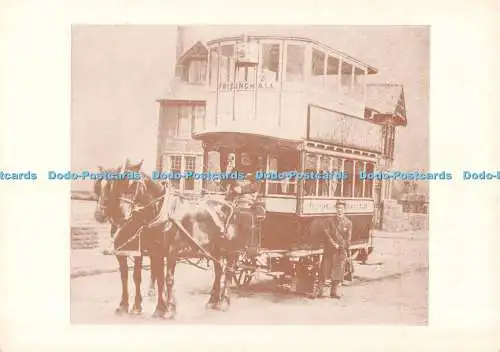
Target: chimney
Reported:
point(179, 49)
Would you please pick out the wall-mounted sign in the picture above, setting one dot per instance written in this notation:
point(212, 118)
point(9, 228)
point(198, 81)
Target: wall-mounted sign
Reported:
point(336, 128)
point(318, 206)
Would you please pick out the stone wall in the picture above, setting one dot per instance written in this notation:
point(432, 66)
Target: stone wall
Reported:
point(395, 220)
point(86, 233)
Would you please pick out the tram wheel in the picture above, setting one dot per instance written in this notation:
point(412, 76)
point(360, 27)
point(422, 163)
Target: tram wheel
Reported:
point(243, 275)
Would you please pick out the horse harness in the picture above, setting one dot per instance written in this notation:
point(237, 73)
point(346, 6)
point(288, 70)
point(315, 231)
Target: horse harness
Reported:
point(170, 220)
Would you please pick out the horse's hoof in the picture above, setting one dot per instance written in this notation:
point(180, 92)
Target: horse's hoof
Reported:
point(158, 314)
point(225, 304)
point(121, 310)
point(170, 314)
point(136, 311)
point(212, 305)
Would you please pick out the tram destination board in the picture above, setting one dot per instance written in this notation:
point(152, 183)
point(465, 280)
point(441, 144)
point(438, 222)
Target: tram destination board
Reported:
point(323, 206)
point(329, 126)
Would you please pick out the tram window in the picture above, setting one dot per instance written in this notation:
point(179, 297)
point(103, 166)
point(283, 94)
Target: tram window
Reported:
point(359, 83)
point(332, 73)
point(273, 187)
point(347, 187)
point(346, 77)
point(358, 182)
point(323, 184)
point(295, 63)
point(214, 67)
point(318, 67)
point(226, 67)
point(310, 166)
point(340, 183)
point(213, 166)
point(368, 182)
point(271, 54)
point(283, 162)
point(334, 183)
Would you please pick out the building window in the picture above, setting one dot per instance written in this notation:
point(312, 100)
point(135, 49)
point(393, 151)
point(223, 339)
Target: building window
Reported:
point(197, 71)
point(181, 120)
point(271, 54)
point(185, 121)
point(198, 118)
point(170, 121)
point(180, 165)
point(176, 167)
point(189, 166)
point(295, 63)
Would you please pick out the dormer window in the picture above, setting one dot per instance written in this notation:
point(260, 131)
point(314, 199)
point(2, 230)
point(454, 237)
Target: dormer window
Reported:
point(196, 72)
point(194, 64)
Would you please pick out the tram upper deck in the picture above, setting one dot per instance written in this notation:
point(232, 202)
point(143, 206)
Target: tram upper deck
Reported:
point(286, 87)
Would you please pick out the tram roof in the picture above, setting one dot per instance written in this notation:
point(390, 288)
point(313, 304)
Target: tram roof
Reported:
point(250, 139)
point(371, 69)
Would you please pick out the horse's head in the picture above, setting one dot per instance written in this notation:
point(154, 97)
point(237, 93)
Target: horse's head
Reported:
point(113, 195)
point(122, 197)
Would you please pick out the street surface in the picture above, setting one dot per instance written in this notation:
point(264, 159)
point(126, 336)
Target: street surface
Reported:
point(391, 289)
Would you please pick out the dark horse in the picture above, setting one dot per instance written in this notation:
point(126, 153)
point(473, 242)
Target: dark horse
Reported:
point(170, 224)
point(116, 218)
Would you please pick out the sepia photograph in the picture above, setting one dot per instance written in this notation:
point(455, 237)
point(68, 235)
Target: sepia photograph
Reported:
point(249, 174)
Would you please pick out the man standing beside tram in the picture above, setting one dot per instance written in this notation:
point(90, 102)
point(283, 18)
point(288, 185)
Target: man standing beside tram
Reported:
point(337, 231)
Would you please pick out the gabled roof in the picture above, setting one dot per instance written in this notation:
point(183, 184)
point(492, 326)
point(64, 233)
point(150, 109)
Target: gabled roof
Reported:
point(388, 100)
point(196, 51)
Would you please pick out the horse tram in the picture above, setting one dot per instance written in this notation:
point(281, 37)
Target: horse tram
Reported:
point(289, 117)
point(276, 105)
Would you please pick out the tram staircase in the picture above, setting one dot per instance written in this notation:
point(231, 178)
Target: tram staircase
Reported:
point(395, 220)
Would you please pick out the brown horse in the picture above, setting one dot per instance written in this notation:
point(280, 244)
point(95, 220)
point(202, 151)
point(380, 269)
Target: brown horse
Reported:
point(103, 214)
point(170, 224)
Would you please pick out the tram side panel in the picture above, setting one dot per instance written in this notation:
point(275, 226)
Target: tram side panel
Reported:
point(289, 232)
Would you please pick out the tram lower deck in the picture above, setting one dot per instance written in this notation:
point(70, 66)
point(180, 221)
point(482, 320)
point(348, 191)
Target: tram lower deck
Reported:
point(289, 232)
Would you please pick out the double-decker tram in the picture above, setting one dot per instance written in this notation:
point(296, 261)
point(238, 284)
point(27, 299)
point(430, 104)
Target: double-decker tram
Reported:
point(285, 104)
